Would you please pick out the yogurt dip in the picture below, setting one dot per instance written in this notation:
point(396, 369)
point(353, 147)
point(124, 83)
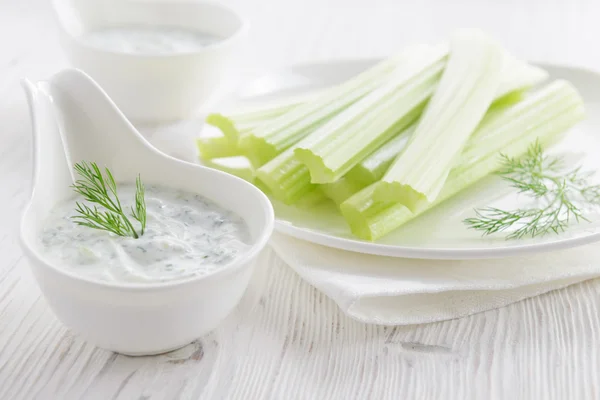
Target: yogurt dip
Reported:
point(141, 40)
point(186, 235)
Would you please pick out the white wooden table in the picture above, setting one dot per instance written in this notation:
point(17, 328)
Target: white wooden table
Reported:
point(287, 340)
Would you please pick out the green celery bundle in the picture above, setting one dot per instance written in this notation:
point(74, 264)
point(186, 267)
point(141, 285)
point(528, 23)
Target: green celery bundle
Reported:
point(543, 115)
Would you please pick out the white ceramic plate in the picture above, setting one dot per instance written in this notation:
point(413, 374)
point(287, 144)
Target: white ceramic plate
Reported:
point(439, 233)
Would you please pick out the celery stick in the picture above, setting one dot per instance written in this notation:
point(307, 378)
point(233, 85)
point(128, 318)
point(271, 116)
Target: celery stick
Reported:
point(340, 190)
point(508, 99)
point(287, 178)
point(466, 90)
point(217, 147)
point(311, 199)
point(238, 166)
point(370, 219)
point(243, 118)
point(505, 122)
point(545, 115)
point(230, 126)
point(517, 75)
point(266, 141)
point(336, 147)
point(241, 167)
point(373, 167)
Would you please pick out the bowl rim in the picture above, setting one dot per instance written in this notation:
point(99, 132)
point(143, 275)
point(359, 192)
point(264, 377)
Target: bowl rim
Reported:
point(240, 31)
point(236, 264)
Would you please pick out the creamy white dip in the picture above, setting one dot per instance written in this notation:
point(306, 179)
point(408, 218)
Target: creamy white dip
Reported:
point(186, 235)
point(149, 40)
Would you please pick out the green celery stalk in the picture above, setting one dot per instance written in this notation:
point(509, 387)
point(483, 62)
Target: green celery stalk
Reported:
point(231, 127)
point(217, 147)
point(372, 168)
point(369, 219)
point(266, 141)
point(466, 90)
point(516, 76)
point(239, 166)
point(311, 199)
point(510, 130)
point(287, 179)
point(340, 190)
point(333, 149)
point(242, 118)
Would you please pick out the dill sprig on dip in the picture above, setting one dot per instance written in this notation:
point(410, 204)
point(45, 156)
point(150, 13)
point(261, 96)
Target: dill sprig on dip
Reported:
point(101, 189)
point(563, 194)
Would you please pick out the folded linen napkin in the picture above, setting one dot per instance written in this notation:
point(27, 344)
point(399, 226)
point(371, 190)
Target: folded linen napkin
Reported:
point(396, 291)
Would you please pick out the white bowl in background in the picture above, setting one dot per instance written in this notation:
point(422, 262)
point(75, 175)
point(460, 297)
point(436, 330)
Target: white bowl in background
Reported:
point(152, 88)
point(73, 121)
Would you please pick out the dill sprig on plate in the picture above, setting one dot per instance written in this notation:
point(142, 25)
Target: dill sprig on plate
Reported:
point(101, 189)
point(563, 194)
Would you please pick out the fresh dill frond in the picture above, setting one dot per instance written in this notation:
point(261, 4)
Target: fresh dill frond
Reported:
point(139, 211)
point(562, 193)
point(101, 189)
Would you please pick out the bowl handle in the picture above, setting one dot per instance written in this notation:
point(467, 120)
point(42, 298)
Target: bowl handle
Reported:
point(51, 174)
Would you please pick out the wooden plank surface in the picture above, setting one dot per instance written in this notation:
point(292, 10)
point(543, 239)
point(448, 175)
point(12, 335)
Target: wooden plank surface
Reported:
point(286, 340)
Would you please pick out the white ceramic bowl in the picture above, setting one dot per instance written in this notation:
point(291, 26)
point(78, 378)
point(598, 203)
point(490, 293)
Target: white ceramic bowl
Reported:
point(74, 120)
point(152, 88)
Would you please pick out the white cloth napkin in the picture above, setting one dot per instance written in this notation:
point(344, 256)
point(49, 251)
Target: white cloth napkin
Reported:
point(395, 291)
